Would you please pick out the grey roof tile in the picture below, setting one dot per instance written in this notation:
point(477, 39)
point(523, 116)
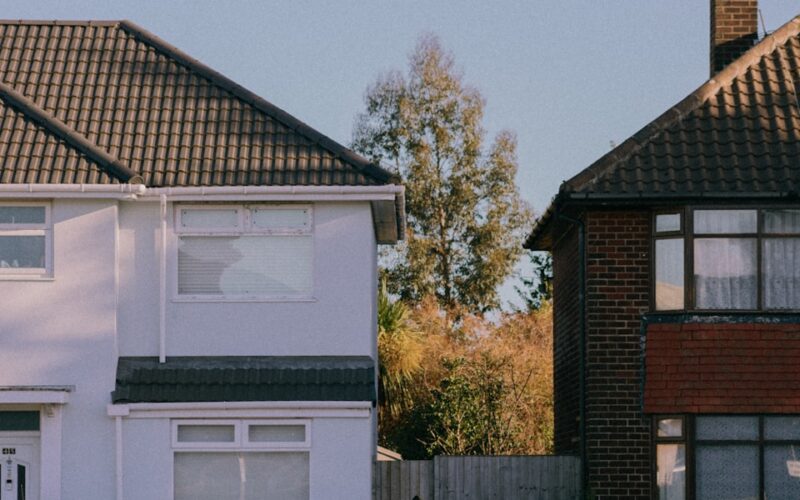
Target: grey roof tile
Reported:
point(246, 378)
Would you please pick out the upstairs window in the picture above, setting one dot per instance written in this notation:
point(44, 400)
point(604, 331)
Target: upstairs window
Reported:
point(244, 251)
point(25, 240)
point(740, 259)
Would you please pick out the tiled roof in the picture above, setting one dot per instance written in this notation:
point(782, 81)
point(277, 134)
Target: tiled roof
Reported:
point(722, 367)
point(738, 135)
point(266, 378)
point(159, 113)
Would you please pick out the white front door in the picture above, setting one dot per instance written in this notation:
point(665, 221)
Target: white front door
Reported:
point(19, 459)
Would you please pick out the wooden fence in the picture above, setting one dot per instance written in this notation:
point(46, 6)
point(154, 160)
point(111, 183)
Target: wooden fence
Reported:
point(479, 478)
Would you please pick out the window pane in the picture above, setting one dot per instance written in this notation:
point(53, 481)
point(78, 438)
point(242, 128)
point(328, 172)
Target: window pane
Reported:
point(206, 433)
point(19, 420)
point(22, 252)
point(782, 427)
point(288, 218)
point(241, 476)
point(668, 222)
point(669, 274)
point(727, 472)
point(781, 273)
point(671, 473)
point(220, 218)
point(725, 221)
point(782, 471)
point(670, 427)
point(247, 265)
point(727, 428)
point(277, 433)
point(725, 273)
point(782, 221)
point(22, 215)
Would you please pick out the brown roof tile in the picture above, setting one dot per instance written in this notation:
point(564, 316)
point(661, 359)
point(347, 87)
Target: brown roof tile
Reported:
point(160, 113)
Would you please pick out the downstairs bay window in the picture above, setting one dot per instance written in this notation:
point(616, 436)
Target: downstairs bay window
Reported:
point(240, 459)
point(727, 259)
point(244, 251)
point(727, 457)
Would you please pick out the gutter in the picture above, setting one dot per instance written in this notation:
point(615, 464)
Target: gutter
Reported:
point(388, 201)
point(584, 456)
point(389, 192)
point(96, 191)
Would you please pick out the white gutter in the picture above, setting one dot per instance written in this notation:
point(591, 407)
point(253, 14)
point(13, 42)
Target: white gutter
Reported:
point(276, 193)
point(140, 192)
point(104, 191)
point(115, 410)
point(162, 284)
point(243, 409)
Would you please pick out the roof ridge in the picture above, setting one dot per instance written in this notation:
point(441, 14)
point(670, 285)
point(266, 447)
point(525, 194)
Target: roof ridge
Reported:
point(107, 162)
point(363, 165)
point(60, 22)
point(634, 143)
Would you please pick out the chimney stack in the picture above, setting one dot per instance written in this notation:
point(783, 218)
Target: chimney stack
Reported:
point(734, 30)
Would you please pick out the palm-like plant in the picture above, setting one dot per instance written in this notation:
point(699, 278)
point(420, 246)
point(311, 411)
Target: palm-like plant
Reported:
point(400, 354)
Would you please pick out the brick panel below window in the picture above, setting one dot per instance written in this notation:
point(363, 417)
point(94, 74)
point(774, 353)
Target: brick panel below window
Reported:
point(722, 368)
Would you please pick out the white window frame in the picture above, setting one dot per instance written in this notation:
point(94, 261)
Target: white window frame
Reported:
point(207, 445)
point(42, 229)
point(244, 227)
point(241, 440)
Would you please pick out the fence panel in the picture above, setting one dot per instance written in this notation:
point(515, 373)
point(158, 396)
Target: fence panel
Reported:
point(479, 478)
point(403, 480)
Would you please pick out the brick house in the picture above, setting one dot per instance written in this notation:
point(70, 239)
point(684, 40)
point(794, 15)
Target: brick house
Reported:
point(677, 286)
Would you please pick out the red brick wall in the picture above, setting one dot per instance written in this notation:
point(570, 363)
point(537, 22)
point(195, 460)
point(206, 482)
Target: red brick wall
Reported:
point(566, 325)
point(734, 29)
point(722, 368)
point(618, 434)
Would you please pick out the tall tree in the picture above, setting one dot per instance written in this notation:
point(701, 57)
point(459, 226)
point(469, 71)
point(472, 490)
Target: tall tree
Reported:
point(465, 216)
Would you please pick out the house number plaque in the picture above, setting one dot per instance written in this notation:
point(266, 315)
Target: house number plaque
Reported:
point(9, 451)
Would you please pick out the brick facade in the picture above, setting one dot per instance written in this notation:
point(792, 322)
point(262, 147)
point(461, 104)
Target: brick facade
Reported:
point(722, 368)
point(617, 432)
point(566, 364)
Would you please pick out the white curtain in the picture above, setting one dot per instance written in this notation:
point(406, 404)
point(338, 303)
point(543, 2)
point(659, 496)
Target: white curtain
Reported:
point(241, 476)
point(725, 273)
point(781, 273)
point(671, 476)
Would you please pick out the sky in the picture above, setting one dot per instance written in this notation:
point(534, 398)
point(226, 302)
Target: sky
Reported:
point(569, 77)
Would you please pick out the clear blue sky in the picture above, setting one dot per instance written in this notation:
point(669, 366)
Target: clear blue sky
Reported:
point(568, 76)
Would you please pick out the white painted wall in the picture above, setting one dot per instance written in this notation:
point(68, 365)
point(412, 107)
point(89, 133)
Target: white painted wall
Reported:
point(339, 321)
point(104, 300)
point(340, 459)
point(62, 332)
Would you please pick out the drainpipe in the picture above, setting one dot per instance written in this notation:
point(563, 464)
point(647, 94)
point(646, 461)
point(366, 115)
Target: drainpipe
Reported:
point(581, 350)
point(118, 458)
point(162, 284)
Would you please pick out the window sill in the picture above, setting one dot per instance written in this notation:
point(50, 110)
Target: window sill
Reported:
point(25, 277)
point(218, 299)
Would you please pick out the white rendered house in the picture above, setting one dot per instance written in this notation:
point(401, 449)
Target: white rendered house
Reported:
point(187, 280)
